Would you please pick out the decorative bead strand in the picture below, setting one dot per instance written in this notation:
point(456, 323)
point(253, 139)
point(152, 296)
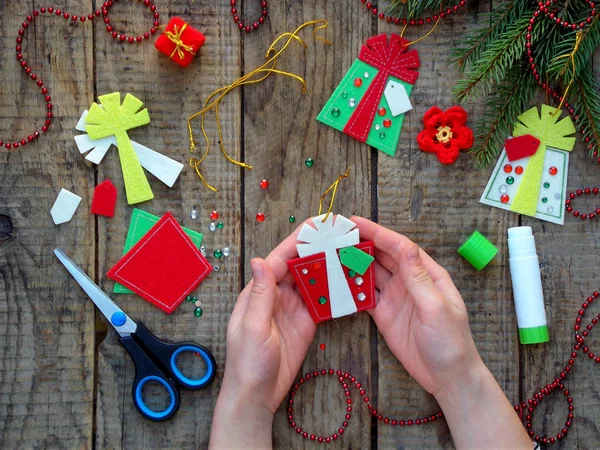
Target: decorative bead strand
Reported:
point(255, 25)
point(102, 12)
point(525, 409)
point(579, 192)
point(413, 22)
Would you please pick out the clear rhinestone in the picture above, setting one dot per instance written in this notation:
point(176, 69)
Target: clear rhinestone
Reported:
point(352, 103)
point(198, 304)
point(304, 271)
point(550, 209)
point(359, 281)
point(557, 196)
point(377, 127)
point(216, 268)
point(212, 227)
point(202, 248)
point(366, 75)
point(361, 296)
point(503, 189)
point(194, 214)
point(226, 251)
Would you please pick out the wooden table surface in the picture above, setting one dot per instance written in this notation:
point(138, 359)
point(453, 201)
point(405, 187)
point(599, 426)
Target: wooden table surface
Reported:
point(64, 379)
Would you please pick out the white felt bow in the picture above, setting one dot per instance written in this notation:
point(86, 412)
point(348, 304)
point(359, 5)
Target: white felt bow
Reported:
point(165, 169)
point(328, 237)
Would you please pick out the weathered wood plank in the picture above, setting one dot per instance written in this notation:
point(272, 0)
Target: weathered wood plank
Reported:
point(46, 324)
point(171, 94)
point(438, 207)
point(280, 132)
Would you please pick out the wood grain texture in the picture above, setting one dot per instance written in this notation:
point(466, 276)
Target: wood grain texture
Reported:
point(171, 94)
point(46, 323)
point(276, 109)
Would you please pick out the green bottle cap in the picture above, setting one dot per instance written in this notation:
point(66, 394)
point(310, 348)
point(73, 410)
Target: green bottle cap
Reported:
point(478, 250)
point(534, 335)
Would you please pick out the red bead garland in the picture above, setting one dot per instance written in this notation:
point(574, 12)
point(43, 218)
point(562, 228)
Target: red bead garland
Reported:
point(413, 22)
point(525, 410)
point(578, 192)
point(50, 10)
point(256, 24)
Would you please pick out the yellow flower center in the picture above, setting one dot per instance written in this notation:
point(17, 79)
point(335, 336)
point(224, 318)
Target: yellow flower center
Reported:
point(444, 134)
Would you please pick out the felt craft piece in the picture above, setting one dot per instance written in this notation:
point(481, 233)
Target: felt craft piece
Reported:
point(445, 133)
point(180, 41)
point(141, 223)
point(319, 246)
point(115, 119)
point(64, 207)
point(105, 199)
point(521, 147)
point(163, 267)
point(165, 169)
point(355, 259)
point(535, 185)
point(370, 101)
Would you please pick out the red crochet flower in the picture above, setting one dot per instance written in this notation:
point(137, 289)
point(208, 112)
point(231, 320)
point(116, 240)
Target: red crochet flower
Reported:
point(445, 133)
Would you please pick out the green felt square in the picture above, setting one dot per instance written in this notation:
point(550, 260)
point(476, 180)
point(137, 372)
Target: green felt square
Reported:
point(141, 223)
point(355, 259)
point(337, 112)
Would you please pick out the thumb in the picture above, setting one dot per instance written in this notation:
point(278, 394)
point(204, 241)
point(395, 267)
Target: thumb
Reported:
point(418, 282)
point(262, 292)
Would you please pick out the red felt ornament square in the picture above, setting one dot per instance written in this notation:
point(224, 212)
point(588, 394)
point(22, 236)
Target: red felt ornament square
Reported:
point(163, 267)
point(180, 41)
point(310, 274)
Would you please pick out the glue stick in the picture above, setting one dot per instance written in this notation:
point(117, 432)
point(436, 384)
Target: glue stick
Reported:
point(527, 286)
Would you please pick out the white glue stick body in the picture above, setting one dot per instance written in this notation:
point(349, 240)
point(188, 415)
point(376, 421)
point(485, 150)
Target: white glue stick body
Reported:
point(527, 286)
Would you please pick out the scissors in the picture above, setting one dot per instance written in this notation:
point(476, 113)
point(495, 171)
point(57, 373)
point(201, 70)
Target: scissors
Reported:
point(154, 359)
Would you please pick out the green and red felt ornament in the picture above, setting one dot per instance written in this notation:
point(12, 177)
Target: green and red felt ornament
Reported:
point(334, 273)
point(370, 102)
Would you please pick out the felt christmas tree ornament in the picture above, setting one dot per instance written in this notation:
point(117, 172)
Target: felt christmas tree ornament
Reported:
point(329, 288)
point(370, 102)
point(534, 185)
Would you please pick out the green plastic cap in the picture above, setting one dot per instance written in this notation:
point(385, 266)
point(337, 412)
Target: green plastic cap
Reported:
point(534, 335)
point(478, 250)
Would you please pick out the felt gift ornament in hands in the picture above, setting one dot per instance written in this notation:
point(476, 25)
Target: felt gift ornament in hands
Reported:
point(108, 125)
point(334, 273)
point(370, 101)
point(530, 177)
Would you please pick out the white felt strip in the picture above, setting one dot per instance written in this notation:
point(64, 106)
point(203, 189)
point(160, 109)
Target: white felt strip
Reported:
point(64, 206)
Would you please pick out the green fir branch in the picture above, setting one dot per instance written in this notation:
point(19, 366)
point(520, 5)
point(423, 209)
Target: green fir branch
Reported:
point(415, 9)
point(587, 107)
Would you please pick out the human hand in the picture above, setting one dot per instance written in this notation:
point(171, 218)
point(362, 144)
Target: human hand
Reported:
point(268, 336)
point(419, 312)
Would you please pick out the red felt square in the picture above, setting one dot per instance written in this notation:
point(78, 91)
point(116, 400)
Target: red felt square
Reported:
point(310, 274)
point(105, 199)
point(163, 267)
point(180, 41)
point(521, 147)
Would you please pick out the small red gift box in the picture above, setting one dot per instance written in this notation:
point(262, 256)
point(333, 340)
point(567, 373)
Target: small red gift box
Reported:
point(180, 42)
point(310, 274)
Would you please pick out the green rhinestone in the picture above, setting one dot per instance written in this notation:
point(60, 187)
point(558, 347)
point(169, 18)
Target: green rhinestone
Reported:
point(510, 180)
point(335, 112)
point(198, 312)
point(220, 225)
point(309, 162)
point(188, 298)
point(546, 185)
point(218, 253)
point(292, 219)
point(322, 300)
point(544, 200)
point(344, 94)
point(382, 135)
point(351, 273)
point(312, 281)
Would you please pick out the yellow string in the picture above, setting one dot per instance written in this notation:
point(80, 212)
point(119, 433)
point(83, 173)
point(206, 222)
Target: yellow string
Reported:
point(333, 187)
point(179, 44)
point(426, 34)
point(256, 76)
point(571, 56)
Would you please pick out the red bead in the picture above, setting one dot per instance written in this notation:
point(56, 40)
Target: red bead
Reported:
point(260, 217)
point(552, 170)
point(387, 123)
point(264, 183)
point(504, 198)
point(358, 82)
point(508, 168)
point(518, 170)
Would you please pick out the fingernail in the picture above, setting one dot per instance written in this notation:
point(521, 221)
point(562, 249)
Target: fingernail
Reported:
point(256, 267)
point(412, 254)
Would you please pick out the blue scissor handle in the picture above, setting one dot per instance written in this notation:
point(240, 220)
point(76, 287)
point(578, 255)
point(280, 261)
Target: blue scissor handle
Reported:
point(146, 370)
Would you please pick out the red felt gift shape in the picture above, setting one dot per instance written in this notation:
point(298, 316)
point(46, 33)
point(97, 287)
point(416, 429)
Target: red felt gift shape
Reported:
point(105, 199)
point(163, 267)
point(310, 274)
point(180, 42)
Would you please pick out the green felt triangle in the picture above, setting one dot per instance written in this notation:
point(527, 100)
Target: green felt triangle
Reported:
point(355, 259)
point(141, 223)
point(337, 111)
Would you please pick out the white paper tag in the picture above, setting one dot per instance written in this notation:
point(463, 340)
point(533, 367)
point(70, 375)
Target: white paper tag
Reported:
point(397, 98)
point(64, 207)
